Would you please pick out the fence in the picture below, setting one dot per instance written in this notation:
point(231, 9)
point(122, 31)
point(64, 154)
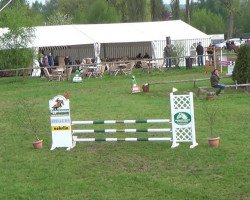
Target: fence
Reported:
point(182, 124)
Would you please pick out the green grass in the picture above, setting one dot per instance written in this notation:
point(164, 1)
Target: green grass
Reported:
point(123, 170)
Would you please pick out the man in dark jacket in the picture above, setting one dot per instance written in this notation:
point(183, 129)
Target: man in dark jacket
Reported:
point(200, 52)
point(214, 79)
point(167, 55)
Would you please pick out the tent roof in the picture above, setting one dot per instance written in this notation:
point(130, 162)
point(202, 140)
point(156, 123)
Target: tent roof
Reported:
point(65, 35)
point(68, 35)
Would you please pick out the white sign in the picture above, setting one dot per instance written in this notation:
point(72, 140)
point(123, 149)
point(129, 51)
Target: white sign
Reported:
point(60, 122)
point(182, 117)
point(230, 68)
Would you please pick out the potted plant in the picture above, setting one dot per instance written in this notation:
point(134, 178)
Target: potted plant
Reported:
point(28, 122)
point(66, 95)
point(210, 111)
point(210, 95)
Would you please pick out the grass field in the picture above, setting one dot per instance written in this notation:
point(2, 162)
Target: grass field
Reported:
point(143, 170)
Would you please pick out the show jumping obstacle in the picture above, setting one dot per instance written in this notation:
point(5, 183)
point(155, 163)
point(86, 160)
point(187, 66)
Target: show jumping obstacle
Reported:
point(182, 122)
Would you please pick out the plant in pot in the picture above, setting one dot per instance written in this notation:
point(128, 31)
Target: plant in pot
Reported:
point(210, 111)
point(210, 95)
point(28, 122)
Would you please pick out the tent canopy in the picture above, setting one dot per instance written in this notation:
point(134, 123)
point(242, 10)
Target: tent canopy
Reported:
point(68, 35)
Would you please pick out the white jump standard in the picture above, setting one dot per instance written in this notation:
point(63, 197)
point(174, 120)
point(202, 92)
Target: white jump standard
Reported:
point(181, 122)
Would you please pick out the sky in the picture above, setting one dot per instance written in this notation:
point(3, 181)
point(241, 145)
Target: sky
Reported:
point(165, 1)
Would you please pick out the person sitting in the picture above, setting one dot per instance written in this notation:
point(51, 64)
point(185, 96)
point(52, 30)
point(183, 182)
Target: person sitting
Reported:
point(138, 63)
point(146, 56)
point(214, 79)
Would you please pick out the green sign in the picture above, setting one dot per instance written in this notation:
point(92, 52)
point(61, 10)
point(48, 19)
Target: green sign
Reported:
point(182, 118)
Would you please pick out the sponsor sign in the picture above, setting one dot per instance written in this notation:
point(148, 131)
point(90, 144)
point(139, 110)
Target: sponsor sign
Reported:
point(60, 128)
point(60, 112)
point(136, 89)
point(182, 118)
point(230, 68)
point(60, 122)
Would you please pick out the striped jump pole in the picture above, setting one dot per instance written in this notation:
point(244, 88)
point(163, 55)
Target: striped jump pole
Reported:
point(121, 139)
point(144, 130)
point(121, 121)
point(181, 122)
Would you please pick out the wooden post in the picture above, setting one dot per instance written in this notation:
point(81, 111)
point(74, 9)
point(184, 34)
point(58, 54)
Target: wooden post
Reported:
point(214, 57)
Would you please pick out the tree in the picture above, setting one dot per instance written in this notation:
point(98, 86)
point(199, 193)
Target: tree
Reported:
point(178, 52)
point(242, 20)
point(232, 7)
point(18, 35)
point(188, 11)
point(175, 7)
point(207, 22)
point(59, 19)
point(37, 14)
point(157, 10)
point(136, 10)
point(241, 72)
point(101, 12)
point(74, 9)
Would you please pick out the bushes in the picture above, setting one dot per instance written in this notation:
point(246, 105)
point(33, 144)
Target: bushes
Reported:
point(16, 58)
point(241, 72)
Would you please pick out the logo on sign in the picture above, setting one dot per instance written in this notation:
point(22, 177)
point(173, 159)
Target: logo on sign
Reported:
point(60, 128)
point(182, 118)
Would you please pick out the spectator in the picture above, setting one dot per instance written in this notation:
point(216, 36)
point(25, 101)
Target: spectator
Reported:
point(210, 52)
point(67, 60)
point(50, 60)
point(138, 63)
point(167, 55)
point(200, 52)
point(215, 79)
point(146, 56)
point(46, 63)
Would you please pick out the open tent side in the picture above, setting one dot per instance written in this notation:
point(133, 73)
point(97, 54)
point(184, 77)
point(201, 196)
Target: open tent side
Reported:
point(116, 40)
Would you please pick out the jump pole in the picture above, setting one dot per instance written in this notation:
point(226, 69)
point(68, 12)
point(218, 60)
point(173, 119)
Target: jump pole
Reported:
point(182, 125)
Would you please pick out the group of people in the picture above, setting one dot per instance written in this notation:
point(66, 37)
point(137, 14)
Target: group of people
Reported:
point(200, 53)
point(140, 57)
point(215, 77)
point(168, 53)
point(46, 61)
point(49, 61)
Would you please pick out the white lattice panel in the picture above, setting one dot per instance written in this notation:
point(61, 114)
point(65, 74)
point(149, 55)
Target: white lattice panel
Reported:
point(182, 116)
point(183, 134)
point(181, 102)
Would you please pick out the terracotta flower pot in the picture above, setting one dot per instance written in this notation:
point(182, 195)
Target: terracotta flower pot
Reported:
point(66, 95)
point(210, 95)
point(214, 141)
point(38, 144)
point(145, 88)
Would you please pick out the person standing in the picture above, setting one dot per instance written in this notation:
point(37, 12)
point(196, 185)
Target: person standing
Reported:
point(46, 63)
point(50, 60)
point(210, 53)
point(67, 60)
point(215, 79)
point(167, 55)
point(200, 52)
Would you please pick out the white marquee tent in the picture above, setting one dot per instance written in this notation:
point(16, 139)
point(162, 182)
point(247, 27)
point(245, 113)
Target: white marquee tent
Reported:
point(116, 40)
